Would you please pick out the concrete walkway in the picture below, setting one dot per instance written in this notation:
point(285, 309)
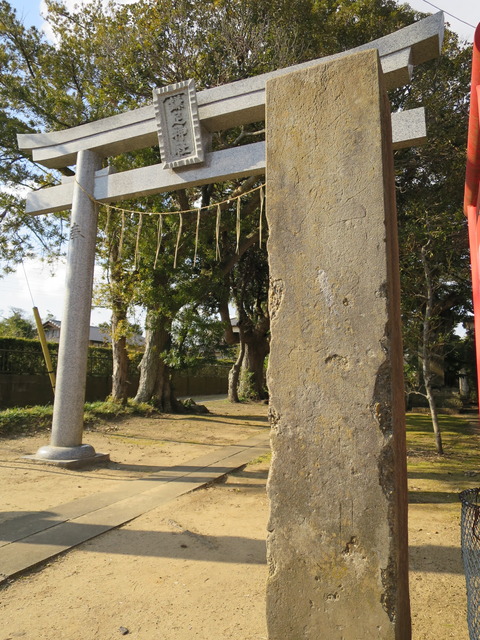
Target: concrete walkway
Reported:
point(27, 541)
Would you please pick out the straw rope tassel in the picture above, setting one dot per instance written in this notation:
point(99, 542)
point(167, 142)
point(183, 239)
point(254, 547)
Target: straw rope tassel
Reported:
point(262, 201)
point(180, 225)
point(107, 223)
point(140, 221)
point(238, 225)
point(217, 234)
point(122, 231)
point(159, 239)
point(196, 235)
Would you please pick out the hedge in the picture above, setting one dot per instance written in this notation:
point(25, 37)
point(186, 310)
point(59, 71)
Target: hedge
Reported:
point(22, 356)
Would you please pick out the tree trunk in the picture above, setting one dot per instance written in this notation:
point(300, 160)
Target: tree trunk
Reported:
point(426, 353)
point(120, 357)
point(434, 416)
point(252, 378)
point(225, 318)
point(234, 375)
point(120, 304)
point(154, 384)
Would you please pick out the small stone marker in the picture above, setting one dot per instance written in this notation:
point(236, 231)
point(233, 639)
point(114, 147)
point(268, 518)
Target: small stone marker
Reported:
point(337, 544)
point(179, 131)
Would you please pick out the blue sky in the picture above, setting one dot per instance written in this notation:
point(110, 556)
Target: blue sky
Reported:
point(28, 11)
point(47, 289)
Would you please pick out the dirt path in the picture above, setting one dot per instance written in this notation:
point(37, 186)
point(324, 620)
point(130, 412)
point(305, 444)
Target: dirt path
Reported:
point(195, 568)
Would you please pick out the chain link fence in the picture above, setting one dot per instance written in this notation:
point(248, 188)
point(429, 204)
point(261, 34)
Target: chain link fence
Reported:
point(470, 527)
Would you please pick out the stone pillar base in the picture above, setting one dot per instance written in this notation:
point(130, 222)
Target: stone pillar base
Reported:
point(69, 457)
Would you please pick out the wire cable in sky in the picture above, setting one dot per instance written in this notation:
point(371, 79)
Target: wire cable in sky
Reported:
point(449, 14)
point(28, 284)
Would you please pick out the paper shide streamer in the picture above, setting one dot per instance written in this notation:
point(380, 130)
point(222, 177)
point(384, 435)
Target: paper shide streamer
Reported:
point(237, 249)
point(122, 231)
point(262, 203)
point(217, 233)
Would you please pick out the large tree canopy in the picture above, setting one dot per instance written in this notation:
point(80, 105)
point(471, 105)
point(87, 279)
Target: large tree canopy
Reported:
point(108, 60)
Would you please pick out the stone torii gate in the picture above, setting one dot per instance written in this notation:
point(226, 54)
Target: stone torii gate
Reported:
point(337, 544)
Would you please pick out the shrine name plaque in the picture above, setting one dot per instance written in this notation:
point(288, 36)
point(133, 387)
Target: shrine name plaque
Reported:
point(178, 124)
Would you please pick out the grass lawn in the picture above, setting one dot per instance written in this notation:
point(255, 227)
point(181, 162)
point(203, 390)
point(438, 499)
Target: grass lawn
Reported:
point(24, 421)
point(439, 479)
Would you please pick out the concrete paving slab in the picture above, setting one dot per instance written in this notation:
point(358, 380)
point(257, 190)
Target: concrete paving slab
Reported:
point(22, 526)
point(29, 540)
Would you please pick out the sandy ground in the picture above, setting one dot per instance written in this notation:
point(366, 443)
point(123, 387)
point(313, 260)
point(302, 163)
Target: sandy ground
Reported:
point(193, 568)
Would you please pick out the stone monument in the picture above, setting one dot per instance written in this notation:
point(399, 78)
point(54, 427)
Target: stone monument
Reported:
point(337, 541)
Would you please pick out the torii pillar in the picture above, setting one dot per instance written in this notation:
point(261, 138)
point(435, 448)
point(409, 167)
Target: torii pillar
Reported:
point(337, 542)
point(471, 203)
point(66, 448)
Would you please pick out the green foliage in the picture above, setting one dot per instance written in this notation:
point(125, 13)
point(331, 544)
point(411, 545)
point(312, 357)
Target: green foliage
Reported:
point(461, 358)
point(28, 101)
point(433, 238)
point(265, 459)
point(249, 282)
point(107, 60)
point(17, 421)
point(22, 344)
point(214, 370)
point(96, 412)
point(196, 339)
point(22, 356)
point(247, 386)
point(17, 325)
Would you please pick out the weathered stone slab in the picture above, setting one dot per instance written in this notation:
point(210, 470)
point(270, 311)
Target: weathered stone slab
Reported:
point(337, 541)
point(72, 463)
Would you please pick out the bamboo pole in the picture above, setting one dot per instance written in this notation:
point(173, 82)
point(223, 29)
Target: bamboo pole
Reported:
point(46, 352)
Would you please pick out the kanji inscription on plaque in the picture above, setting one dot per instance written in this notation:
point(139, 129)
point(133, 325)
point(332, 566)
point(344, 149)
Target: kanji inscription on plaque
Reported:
point(178, 124)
